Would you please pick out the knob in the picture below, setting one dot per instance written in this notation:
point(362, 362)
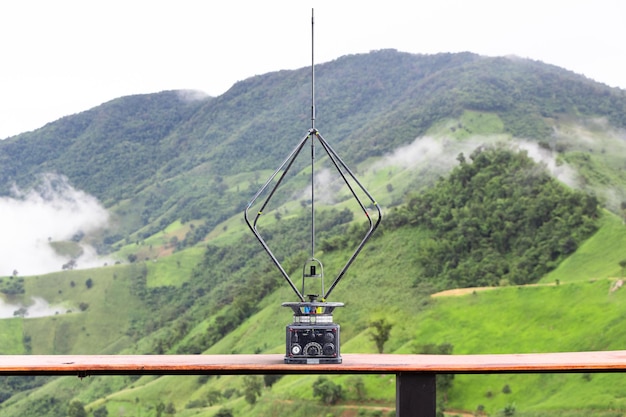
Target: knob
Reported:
point(313, 349)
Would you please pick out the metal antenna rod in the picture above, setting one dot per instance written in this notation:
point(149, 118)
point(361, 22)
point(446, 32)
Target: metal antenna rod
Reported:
point(312, 195)
point(312, 74)
point(312, 136)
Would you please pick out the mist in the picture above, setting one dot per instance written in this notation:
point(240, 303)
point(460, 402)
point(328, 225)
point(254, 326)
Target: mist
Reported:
point(328, 184)
point(424, 149)
point(38, 307)
point(441, 154)
point(51, 211)
point(547, 158)
point(437, 153)
point(192, 95)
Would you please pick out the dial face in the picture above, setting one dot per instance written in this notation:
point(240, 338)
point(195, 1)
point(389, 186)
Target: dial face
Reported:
point(296, 349)
point(313, 349)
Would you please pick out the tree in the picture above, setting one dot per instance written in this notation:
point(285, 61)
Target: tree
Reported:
point(327, 391)
point(252, 386)
point(160, 408)
point(499, 219)
point(213, 396)
point(622, 264)
point(170, 409)
point(509, 410)
point(71, 264)
point(76, 409)
point(224, 412)
point(380, 334)
point(270, 379)
point(89, 283)
point(356, 383)
point(101, 412)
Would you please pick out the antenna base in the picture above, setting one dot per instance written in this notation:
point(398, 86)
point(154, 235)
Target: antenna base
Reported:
point(313, 337)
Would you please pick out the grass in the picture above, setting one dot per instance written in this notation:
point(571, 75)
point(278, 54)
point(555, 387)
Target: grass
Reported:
point(473, 123)
point(11, 335)
point(528, 320)
point(578, 314)
point(598, 257)
point(68, 249)
point(94, 330)
point(159, 245)
point(175, 269)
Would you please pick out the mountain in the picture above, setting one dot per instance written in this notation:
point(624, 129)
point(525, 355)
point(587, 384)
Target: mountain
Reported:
point(155, 158)
point(491, 172)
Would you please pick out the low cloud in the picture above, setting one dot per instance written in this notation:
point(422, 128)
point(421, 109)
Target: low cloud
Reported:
point(327, 185)
point(52, 211)
point(421, 150)
point(547, 158)
point(37, 308)
point(442, 153)
point(192, 95)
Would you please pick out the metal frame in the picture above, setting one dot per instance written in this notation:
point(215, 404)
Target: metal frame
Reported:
point(346, 174)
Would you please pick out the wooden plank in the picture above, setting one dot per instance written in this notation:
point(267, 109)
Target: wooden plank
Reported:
point(611, 361)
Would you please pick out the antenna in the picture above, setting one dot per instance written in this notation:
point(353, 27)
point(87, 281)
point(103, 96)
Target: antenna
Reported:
point(312, 320)
point(312, 141)
point(348, 177)
point(312, 71)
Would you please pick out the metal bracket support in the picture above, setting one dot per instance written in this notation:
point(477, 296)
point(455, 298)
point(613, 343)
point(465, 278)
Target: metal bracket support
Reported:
point(415, 395)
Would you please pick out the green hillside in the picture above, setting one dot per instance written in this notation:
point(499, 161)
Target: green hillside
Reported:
point(437, 140)
point(157, 158)
point(569, 317)
point(595, 259)
point(580, 315)
point(509, 319)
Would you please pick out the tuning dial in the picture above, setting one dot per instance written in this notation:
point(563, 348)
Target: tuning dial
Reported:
point(313, 349)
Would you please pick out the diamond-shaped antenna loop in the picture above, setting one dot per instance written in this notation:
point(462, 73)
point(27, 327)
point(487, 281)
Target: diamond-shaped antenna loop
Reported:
point(252, 224)
point(346, 173)
point(355, 188)
point(348, 178)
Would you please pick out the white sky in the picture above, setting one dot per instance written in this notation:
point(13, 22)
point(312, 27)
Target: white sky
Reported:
point(61, 57)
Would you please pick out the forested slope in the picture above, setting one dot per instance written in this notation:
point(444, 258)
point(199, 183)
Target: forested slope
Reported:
point(230, 301)
point(177, 173)
point(156, 158)
point(496, 220)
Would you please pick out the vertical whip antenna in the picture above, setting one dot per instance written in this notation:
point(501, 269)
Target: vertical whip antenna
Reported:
point(312, 136)
point(312, 73)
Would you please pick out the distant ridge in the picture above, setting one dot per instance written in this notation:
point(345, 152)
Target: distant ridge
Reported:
point(369, 104)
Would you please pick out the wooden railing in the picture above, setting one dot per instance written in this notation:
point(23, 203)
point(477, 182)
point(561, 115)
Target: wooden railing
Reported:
point(415, 374)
